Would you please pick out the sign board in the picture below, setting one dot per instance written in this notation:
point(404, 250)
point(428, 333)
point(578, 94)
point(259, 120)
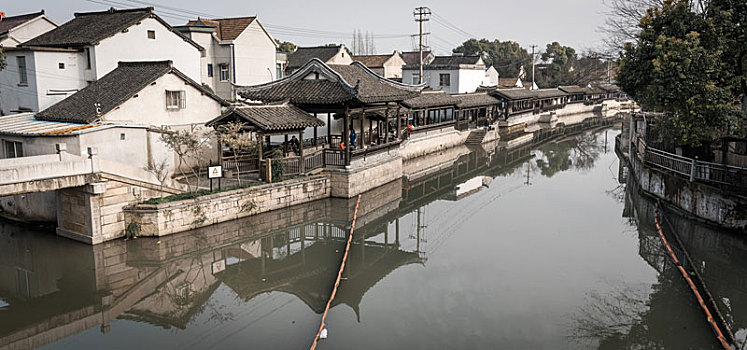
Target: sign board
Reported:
point(219, 266)
point(215, 172)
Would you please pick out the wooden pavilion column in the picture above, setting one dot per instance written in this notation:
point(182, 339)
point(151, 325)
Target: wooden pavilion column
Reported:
point(386, 124)
point(399, 121)
point(301, 165)
point(360, 141)
point(259, 146)
point(329, 131)
point(285, 145)
point(346, 135)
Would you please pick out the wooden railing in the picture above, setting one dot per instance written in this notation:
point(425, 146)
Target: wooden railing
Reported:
point(373, 150)
point(333, 157)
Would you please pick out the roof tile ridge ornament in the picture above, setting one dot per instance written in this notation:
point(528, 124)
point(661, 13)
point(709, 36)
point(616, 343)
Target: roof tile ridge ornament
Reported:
point(412, 88)
point(313, 65)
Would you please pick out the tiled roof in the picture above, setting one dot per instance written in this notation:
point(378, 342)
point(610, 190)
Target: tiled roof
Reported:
point(335, 84)
point(373, 61)
point(269, 117)
point(413, 57)
point(431, 99)
point(111, 91)
point(24, 124)
point(302, 55)
point(89, 28)
point(226, 28)
point(451, 62)
point(572, 89)
point(593, 90)
point(477, 99)
point(608, 87)
point(11, 22)
point(523, 94)
point(507, 82)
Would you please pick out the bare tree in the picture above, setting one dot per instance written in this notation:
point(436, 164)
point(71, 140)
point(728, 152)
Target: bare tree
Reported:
point(623, 17)
point(189, 146)
point(160, 170)
point(233, 136)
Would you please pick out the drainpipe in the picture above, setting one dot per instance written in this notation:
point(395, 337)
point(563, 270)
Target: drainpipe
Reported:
point(233, 64)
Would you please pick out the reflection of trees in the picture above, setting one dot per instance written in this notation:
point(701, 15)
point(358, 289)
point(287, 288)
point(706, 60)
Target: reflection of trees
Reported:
point(579, 152)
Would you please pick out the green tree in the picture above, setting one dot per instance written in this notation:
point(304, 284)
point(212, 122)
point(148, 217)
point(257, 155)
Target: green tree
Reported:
point(285, 46)
point(2, 59)
point(506, 56)
point(728, 20)
point(676, 67)
point(558, 63)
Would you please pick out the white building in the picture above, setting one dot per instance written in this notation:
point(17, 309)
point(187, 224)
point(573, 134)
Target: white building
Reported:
point(17, 29)
point(388, 66)
point(491, 77)
point(58, 63)
point(451, 74)
point(330, 54)
point(239, 51)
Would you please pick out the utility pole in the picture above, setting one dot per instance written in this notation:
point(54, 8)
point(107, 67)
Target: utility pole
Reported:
point(533, 83)
point(422, 14)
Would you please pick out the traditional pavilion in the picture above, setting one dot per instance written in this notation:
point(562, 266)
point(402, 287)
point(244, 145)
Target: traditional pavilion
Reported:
point(264, 120)
point(354, 92)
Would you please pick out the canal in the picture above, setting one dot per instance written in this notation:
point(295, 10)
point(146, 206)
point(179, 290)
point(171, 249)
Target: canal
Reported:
point(534, 246)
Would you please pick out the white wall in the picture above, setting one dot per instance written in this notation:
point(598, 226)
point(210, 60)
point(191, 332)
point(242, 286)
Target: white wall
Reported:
point(28, 31)
point(149, 105)
point(469, 80)
point(341, 57)
point(134, 45)
point(462, 80)
point(393, 67)
point(47, 82)
point(255, 56)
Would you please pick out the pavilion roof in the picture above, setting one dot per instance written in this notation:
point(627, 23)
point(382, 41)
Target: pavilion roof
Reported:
point(269, 117)
point(319, 83)
point(431, 99)
point(476, 99)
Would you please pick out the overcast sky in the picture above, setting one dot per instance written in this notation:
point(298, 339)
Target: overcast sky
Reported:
point(317, 22)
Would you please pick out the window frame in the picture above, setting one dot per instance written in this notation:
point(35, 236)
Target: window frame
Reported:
point(176, 100)
point(23, 76)
point(441, 79)
point(224, 69)
point(15, 146)
point(210, 72)
point(151, 34)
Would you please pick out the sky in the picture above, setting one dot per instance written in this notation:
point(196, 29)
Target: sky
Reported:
point(391, 22)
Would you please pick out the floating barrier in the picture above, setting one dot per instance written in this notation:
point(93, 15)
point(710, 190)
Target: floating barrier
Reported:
point(709, 316)
point(322, 332)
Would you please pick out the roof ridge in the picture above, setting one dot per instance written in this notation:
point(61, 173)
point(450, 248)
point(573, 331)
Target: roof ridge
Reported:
point(149, 9)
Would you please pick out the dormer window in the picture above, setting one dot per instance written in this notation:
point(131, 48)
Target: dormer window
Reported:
point(152, 34)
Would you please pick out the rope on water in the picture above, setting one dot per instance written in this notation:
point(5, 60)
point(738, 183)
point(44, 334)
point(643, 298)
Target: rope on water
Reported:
point(709, 316)
point(339, 275)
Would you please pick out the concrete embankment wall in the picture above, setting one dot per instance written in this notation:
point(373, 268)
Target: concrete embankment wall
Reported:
point(365, 174)
point(706, 202)
point(168, 218)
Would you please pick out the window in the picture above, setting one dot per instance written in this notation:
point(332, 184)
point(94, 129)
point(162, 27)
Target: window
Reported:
point(152, 34)
point(444, 79)
point(278, 70)
point(210, 70)
point(122, 136)
point(61, 65)
point(224, 74)
point(23, 78)
point(176, 99)
point(416, 79)
point(88, 57)
point(26, 283)
point(13, 149)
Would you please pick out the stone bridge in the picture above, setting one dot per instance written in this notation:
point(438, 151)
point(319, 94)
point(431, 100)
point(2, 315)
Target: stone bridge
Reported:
point(89, 192)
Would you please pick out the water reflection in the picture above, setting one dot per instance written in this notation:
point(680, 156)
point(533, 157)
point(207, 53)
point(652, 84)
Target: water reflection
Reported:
point(204, 280)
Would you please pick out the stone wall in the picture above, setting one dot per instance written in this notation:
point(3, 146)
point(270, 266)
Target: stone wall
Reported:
point(431, 141)
point(93, 213)
point(703, 201)
point(167, 218)
point(361, 176)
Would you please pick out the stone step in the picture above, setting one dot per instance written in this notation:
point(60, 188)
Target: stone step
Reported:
point(476, 137)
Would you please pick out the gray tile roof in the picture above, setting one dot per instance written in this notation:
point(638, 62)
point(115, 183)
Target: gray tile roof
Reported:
point(269, 117)
point(89, 28)
point(525, 94)
point(112, 90)
point(304, 54)
point(431, 99)
point(11, 22)
point(608, 87)
point(336, 84)
point(478, 99)
point(413, 57)
point(451, 62)
point(572, 89)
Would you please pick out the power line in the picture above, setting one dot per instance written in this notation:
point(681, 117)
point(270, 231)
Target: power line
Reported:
point(443, 21)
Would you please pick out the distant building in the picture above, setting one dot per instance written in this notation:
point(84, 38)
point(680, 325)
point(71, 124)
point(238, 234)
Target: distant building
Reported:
point(332, 54)
point(388, 66)
point(17, 29)
point(491, 77)
point(58, 63)
point(413, 57)
point(451, 74)
point(238, 51)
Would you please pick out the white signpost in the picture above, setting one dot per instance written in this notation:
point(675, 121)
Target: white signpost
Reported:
point(215, 172)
